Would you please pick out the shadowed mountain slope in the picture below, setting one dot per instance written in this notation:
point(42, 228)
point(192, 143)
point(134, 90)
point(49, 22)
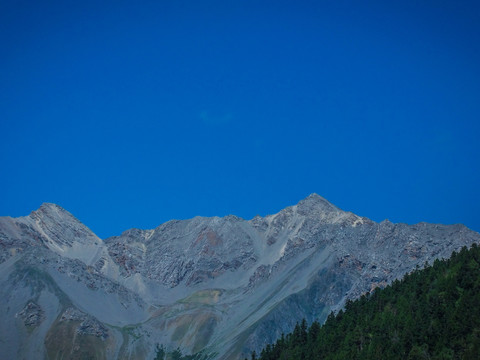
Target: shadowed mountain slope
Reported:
point(433, 313)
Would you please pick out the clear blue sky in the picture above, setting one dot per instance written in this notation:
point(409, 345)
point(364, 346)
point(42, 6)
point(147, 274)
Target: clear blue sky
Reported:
point(130, 113)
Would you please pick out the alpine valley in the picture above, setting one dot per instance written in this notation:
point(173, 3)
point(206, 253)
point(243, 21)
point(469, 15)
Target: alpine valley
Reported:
point(217, 286)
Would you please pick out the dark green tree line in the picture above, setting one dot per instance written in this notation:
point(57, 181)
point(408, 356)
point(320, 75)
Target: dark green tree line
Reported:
point(432, 313)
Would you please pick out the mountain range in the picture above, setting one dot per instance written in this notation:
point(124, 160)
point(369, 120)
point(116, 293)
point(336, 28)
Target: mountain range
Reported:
point(220, 286)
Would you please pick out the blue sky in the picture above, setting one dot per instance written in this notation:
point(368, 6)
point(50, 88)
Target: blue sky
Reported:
point(129, 114)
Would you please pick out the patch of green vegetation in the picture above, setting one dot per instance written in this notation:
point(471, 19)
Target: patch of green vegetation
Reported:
point(62, 342)
point(132, 331)
point(204, 332)
point(134, 345)
point(207, 297)
point(199, 324)
point(176, 354)
point(433, 313)
point(181, 329)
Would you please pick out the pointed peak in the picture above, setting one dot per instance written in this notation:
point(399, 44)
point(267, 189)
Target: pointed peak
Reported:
point(64, 234)
point(315, 201)
point(51, 210)
point(50, 206)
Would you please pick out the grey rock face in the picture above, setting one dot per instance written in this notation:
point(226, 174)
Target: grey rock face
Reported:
point(32, 314)
point(188, 252)
point(88, 324)
point(222, 285)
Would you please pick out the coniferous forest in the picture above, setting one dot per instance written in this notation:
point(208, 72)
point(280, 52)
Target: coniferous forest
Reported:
point(432, 313)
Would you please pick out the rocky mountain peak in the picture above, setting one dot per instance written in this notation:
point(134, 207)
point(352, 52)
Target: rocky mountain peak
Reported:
point(51, 211)
point(224, 285)
point(46, 206)
point(315, 202)
point(320, 210)
point(64, 233)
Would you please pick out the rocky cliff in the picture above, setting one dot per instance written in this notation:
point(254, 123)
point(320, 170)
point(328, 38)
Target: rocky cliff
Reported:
point(224, 286)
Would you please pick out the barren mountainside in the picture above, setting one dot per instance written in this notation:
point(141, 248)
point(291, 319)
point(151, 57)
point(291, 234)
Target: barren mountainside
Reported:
point(224, 286)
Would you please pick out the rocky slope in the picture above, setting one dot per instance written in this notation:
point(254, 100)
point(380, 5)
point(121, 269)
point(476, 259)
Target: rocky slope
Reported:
point(224, 286)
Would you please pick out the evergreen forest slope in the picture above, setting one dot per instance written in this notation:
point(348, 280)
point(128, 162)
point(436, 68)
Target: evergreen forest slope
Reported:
point(432, 313)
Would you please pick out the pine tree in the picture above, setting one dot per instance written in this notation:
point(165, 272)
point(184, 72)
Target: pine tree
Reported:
point(432, 313)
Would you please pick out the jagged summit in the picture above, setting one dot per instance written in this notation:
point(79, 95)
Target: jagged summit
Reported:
point(63, 233)
point(46, 206)
point(51, 210)
point(317, 202)
point(320, 210)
